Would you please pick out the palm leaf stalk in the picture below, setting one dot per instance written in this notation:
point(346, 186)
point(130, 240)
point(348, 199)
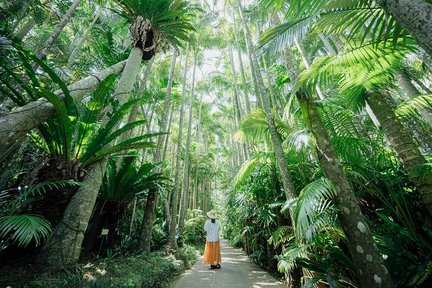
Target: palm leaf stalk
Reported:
point(366, 257)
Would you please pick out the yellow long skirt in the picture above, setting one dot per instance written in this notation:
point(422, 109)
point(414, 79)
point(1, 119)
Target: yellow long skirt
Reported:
point(212, 253)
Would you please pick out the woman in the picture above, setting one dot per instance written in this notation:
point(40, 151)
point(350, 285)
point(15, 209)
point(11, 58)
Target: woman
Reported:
point(212, 254)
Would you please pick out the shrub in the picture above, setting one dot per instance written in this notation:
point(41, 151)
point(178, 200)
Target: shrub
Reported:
point(187, 254)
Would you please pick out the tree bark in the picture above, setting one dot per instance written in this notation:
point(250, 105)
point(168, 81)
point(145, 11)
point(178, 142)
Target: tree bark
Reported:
point(16, 124)
point(175, 196)
point(67, 237)
point(415, 16)
point(366, 257)
point(404, 146)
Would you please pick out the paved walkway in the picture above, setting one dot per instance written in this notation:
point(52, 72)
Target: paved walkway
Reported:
point(236, 272)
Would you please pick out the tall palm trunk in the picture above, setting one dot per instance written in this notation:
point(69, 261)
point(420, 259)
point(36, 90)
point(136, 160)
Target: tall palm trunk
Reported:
point(250, 48)
point(175, 195)
point(242, 72)
point(152, 197)
point(64, 246)
point(54, 35)
point(186, 161)
point(34, 113)
point(404, 146)
point(415, 17)
point(289, 189)
point(366, 257)
point(275, 138)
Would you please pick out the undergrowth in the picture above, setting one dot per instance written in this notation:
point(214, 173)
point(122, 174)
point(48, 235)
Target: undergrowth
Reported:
point(153, 270)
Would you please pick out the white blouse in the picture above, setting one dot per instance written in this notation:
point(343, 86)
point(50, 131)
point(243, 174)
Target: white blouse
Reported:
point(212, 230)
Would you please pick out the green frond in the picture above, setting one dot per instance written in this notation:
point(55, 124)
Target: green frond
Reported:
point(299, 139)
point(314, 199)
point(24, 229)
point(289, 256)
point(245, 171)
point(409, 108)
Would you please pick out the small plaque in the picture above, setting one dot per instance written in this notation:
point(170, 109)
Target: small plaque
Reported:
point(104, 232)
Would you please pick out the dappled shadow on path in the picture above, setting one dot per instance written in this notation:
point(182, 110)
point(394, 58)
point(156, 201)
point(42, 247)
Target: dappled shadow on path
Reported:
point(237, 271)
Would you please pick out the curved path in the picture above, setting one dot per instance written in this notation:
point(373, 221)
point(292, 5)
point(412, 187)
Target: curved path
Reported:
point(236, 272)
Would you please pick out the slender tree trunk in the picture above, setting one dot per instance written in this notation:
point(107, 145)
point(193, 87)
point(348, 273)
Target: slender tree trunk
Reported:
point(48, 44)
point(152, 198)
point(16, 124)
point(195, 191)
point(175, 195)
point(64, 246)
point(290, 192)
point(415, 16)
point(327, 44)
point(250, 48)
point(83, 38)
point(404, 146)
point(186, 161)
point(242, 72)
point(363, 249)
point(25, 29)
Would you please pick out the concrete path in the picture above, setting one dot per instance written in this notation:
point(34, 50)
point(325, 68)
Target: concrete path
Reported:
point(236, 272)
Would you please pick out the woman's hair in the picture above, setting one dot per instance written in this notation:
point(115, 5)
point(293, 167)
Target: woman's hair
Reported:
point(213, 220)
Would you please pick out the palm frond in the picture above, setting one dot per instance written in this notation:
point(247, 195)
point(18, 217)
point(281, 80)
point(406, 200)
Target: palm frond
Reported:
point(409, 108)
point(245, 171)
point(314, 200)
point(24, 229)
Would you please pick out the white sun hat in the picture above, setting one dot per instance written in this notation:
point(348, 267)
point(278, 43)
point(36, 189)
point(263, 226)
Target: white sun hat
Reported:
point(211, 214)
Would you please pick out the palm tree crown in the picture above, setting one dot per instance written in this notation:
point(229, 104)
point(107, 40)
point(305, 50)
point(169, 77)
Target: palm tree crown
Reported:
point(156, 23)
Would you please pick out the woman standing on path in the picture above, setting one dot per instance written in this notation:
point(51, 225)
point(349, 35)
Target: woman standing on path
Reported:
point(212, 253)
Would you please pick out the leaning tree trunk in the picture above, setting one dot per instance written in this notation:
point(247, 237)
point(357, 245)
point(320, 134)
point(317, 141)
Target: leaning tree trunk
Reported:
point(42, 53)
point(415, 16)
point(404, 146)
point(186, 161)
point(16, 124)
point(366, 257)
point(149, 212)
point(175, 196)
point(64, 246)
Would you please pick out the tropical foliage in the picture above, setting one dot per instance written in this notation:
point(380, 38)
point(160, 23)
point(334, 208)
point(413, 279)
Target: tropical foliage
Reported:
point(301, 122)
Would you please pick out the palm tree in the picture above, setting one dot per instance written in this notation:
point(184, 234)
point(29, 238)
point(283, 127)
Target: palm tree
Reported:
point(175, 194)
point(361, 244)
point(186, 161)
point(154, 24)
